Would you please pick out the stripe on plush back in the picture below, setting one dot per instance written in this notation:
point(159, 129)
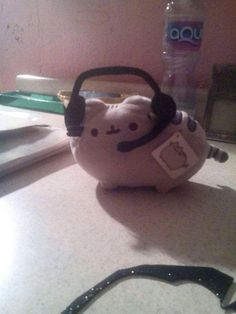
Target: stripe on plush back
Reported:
point(217, 154)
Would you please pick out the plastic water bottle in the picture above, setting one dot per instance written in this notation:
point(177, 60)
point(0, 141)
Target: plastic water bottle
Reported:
point(181, 50)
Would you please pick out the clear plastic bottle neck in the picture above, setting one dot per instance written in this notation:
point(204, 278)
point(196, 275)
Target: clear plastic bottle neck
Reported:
point(185, 8)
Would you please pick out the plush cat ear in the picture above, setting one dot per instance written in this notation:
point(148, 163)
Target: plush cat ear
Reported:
point(139, 104)
point(137, 100)
point(93, 107)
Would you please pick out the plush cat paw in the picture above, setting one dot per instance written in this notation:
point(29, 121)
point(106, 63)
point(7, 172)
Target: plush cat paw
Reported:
point(108, 186)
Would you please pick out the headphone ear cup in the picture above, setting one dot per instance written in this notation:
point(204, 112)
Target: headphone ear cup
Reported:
point(74, 115)
point(164, 107)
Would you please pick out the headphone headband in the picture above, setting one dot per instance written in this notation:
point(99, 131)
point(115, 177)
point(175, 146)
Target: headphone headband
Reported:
point(116, 70)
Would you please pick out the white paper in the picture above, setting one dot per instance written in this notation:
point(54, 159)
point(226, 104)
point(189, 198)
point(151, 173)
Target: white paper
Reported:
point(13, 118)
point(24, 139)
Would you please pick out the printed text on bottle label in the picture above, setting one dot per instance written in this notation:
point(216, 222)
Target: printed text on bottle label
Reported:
point(185, 35)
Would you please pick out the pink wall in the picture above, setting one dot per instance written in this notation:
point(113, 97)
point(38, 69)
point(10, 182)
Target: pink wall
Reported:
point(61, 38)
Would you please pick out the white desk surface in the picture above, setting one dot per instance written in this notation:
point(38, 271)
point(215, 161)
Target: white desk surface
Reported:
point(60, 234)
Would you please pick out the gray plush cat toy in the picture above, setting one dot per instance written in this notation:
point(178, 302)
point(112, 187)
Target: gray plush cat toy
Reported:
point(139, 142)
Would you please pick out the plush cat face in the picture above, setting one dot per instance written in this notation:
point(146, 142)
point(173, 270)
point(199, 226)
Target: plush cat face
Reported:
point(108, 125)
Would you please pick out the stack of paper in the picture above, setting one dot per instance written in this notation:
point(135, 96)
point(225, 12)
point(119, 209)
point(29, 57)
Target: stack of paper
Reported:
point(24, 139)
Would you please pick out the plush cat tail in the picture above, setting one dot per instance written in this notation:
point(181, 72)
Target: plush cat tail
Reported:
point(217, 154)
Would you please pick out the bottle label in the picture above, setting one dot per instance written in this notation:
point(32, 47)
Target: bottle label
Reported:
point(185, 35)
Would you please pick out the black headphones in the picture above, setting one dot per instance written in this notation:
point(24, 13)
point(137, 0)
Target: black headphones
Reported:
point(162, 105)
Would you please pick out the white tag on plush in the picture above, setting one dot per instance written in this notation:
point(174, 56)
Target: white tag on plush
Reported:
point(175, 156)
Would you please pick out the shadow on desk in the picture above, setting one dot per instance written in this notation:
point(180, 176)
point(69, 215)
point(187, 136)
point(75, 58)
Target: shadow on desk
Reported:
point(193, 224)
